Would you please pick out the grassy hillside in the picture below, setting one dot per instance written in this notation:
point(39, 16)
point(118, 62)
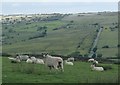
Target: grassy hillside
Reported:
point(80, 72)
point(109, 38)
point(70, 33)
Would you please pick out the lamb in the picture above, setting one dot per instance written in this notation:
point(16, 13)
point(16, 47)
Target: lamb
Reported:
point(33, 59)
point(29, 60)
point(39, 61)
point(22, 57)
point(91, 60)
point(97, 68)
point(14, 60)
point(68, 63)
point(70, 59)
point(53, 62)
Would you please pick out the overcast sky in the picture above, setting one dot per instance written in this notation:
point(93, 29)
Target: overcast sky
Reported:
point(53, 6)
point(59, 0)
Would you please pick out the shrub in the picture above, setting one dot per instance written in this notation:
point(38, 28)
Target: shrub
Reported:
point(94, 55)
point(118, 45)
point(95, 49)
point(5, 54)
point(106, 46)
point(75, 54)
point(99, 55)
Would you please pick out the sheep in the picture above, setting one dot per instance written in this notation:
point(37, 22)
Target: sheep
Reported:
point(54, 62)
point(68, 63)
point(91, 60)
point(14, 60)
point(70, 59)
point(97, 68)
point(29, 60)
point(22, 57)
point(33, 59)
point(95, 61)
point(39, 61)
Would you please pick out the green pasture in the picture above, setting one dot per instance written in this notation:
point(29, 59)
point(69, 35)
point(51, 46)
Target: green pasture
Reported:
point(109, 38)
point(80, 72)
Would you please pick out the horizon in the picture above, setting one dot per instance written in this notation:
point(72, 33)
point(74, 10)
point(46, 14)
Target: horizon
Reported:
point(15, 8)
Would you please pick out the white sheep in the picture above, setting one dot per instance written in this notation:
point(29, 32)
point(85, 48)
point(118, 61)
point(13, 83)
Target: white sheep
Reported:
point(29, 61)
point(33, 59)
point(22, 57)
point(96, 62)
point(68, 63)
point(97, 68)
point(54, 62)
point(91, 60)
point(70, 59)
point(39, 61)
point(14, 60)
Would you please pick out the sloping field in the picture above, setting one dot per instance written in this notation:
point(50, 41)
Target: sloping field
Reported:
point(74, 32)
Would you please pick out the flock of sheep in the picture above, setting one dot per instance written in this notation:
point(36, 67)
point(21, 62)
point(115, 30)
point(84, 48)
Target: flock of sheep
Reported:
point(52, 62)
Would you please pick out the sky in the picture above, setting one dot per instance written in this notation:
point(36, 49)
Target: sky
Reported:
point(57, 6)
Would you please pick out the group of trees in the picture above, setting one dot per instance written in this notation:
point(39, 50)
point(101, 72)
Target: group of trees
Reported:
point(41, 32)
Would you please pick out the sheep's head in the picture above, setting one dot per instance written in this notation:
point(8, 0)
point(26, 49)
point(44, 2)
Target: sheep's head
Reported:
point(45, 55)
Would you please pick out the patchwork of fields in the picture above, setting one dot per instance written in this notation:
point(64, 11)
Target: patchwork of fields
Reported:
point(68, 34)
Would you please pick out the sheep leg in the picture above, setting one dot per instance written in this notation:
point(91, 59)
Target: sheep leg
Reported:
point(60, 66)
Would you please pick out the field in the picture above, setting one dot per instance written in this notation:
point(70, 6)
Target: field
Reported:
point(60, 34)
point(76, 33)
point(79, 73)
point(109, 38)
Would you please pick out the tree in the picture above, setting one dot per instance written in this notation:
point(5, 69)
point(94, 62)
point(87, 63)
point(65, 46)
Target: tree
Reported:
point(71, 21)
point(95, 49)
point(118, 45)
point(99, 55)
point(106, 46)
point(44, 32)
point(85, 55)
point(94, 55)
point(75, 54)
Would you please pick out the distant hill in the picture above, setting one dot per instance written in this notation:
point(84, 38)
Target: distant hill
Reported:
point(61, 33)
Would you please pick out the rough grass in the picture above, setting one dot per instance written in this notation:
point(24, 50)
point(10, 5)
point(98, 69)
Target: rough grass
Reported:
point(79, 73)
point(109, 38)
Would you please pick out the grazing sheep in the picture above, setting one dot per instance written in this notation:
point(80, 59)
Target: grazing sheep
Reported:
point(97, 68)
point(14, 60)
point(22, 57)
point(39, 61)
point(70, 59)
point(91, 60)
point(68, 63)
point(54, 62)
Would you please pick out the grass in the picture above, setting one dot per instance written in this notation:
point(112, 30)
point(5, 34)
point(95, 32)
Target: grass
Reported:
point(109, 38)
point(63, 41)
point(80, 72)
